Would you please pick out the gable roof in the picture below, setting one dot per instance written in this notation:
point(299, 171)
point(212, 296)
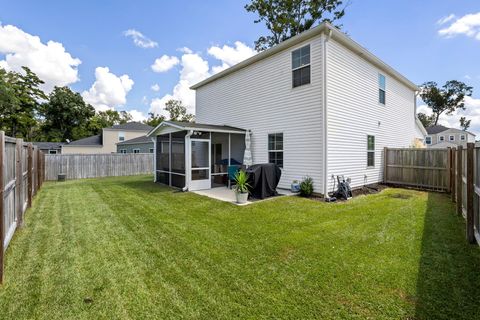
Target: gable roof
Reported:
point(326, 28)
point(95, 140)
point(49, 145)
point(436, 129)
point(195, 126)
point(137, 140)
point(137, 126)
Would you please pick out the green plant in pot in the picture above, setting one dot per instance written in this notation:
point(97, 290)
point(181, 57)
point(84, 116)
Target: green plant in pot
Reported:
point(241, 186)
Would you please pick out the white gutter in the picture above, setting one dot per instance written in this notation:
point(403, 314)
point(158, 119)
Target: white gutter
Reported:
point(325, 114)
point(188, 170)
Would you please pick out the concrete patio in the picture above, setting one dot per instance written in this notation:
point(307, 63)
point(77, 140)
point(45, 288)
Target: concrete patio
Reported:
point(228, 195)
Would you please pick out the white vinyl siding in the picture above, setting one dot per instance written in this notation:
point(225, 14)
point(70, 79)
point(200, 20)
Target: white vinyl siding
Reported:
point(353, 112)
point(249, 99)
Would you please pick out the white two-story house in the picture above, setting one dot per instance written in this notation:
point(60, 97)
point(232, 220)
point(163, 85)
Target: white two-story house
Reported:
point(318, 104)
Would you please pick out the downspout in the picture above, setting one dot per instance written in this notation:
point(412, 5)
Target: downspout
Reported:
point(187, 160)
point(325, 119)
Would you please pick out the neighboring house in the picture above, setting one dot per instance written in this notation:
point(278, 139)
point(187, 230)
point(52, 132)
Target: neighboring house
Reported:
point(141, 144)
point(442, 137)
point(106, 142)
point(49, 147)
point(317, 104)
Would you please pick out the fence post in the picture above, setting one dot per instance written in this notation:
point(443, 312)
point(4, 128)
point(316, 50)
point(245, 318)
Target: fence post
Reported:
point(2, 227)
point(452, 173)
point(37, 181)
point(385, 162)
point(18, 181)
point(459, 180)
point(470, 191)
point(30, 176)
point(449, 168)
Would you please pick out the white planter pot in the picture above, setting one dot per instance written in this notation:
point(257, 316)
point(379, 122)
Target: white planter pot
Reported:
point(241, 197)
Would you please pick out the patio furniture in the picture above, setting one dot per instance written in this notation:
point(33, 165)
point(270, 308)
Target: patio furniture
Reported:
point(231, 171)
point(263, 179)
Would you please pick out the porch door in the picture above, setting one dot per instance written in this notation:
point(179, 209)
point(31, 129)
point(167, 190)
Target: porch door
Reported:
point(200, 177)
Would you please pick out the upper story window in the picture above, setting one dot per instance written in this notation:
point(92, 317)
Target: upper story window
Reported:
point(301, 66)
point(441, 138)
point(370, 151)
point(121, 136)
point(275, 149)
point(382, 85)
point(451, 138)
point(428, 140)
point(123, 150)
point(136, 150)
point(462, 137)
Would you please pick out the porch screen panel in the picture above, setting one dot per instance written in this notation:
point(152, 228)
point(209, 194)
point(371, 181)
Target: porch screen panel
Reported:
point(178, 152)
point(163, 152)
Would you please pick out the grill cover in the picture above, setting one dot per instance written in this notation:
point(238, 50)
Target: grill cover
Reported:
point(263, 179)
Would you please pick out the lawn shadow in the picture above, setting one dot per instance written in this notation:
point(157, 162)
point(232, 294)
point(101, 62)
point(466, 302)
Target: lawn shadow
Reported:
point(448, 283)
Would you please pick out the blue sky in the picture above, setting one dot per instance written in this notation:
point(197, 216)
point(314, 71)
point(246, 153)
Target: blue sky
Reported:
point(403, 33)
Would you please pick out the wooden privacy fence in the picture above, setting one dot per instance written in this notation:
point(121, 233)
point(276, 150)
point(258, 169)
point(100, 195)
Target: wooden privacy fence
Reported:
point(454, 170)
point(418, 168)
point(22, 173)
point(78, 166)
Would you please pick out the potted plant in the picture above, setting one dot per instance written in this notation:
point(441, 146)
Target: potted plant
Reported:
point(241, 186)
point(295, 186)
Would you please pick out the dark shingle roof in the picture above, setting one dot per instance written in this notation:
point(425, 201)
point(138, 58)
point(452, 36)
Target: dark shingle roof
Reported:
point(132, 126)
point(88, 141)
point(436, 129)
point(49, 145)
point(137, 140)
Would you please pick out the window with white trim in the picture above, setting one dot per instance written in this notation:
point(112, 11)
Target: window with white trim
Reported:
point(123, 150)
point(150, 150)
point(121, 136)
point(52, 151)
point(382, 87)
point(275, 149)
point(370, 151)
point(462, 137)
point(441, 138)
point(451, 137)
point(301, 66)
point(136, 150)
point(428, 140)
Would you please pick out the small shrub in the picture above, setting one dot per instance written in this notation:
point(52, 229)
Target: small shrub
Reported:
point(306, 187)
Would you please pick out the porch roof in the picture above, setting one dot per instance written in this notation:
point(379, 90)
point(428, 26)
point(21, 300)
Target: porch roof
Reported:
point(180, 126)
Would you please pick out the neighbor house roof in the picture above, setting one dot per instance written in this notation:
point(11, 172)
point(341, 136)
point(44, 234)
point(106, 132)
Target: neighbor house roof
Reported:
point(196, 126)
point(95, 140)
point(138, 126)
point(436, 129)
point(48, 145)
point(137, 140)
point(324, 27)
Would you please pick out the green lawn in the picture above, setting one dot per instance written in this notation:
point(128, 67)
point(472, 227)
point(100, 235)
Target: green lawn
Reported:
point(121, 248)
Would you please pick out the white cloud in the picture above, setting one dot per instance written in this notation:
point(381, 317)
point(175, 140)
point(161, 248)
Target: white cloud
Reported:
point(165, 63)
point(139, 39)
point(49, 61)
point(155, 87)
point(137, 115)
point(446, 19)
point(195, 69)
point(230, 55)
point(472, 112)
point(108, 91)
point(468, 25)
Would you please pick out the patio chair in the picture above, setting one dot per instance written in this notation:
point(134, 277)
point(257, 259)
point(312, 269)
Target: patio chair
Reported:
point(231, 171)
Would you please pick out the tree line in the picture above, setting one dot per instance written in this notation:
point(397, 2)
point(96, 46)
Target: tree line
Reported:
point(62, 115)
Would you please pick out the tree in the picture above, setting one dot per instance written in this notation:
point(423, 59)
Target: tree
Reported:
point(426, 120)
point(177, 111)
point(447, 99)
point(105, 119)
point(153, 119)
point(19, 102)
point(464, 123)
point(287, 18)
point(65, 115)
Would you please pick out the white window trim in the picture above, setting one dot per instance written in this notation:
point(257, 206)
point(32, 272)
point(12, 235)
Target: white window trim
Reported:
point(374, 150)
point(282, 151)
point(463, 137)
point(305, 65)
point(426, 139)
point(450, 137)
point(439, 139)
point(123, 151)
point(380, 88)
point(151, 150)
point(136, 149)
point(121, 134)
point(52, 152)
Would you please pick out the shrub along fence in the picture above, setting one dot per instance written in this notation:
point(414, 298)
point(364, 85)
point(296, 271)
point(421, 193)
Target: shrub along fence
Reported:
point(454, 170)
point(22, 173)
point(79, 166)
